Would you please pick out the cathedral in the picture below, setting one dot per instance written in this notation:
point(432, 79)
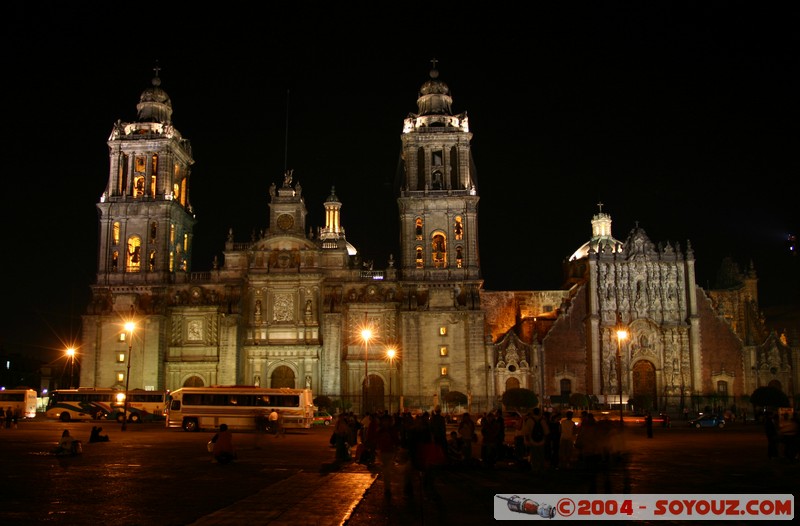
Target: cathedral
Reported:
point(294, 306)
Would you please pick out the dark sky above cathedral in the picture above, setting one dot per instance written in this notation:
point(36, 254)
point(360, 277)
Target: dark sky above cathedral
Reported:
point(681, 119)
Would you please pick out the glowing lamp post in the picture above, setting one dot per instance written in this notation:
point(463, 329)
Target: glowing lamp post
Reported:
point(622, 334)
point(71, 355)
point(390, 354)
point(129, 326)
point(366, 335)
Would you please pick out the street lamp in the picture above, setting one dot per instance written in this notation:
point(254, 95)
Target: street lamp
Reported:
point(71, 355)
point(129, 326)
point(366, 335)
point(390, 354)
point(622, 334)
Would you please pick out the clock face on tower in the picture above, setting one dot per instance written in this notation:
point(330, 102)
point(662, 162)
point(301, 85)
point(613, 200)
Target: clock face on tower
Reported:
point(285, 221)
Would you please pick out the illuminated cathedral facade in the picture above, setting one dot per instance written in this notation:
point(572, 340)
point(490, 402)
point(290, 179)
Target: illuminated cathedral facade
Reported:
point(291, 306)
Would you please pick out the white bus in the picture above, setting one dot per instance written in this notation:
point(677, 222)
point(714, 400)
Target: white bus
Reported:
point(195, 408)
point(83, 403)
point(22, 402)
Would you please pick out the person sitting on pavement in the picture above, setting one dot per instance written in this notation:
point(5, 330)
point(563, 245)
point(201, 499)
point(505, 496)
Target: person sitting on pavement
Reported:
point(95, 435)
point(223, 451)
point(67, 445)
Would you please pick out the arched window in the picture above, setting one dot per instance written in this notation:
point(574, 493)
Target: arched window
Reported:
point(418, 228)
point(439, 250)
point(134, 254)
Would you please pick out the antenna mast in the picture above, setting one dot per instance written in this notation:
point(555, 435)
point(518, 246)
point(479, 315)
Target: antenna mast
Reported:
point(286, 139)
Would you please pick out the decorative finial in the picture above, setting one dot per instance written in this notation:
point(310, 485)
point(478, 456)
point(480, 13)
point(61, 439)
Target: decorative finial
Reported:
point(434, 71)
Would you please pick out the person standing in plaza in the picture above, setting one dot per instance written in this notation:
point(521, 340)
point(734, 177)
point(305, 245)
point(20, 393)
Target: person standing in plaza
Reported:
point(535, 431)
point(439, 429)
point(262, 424)
point(273, 421)
point(566, 445)
point(773, 437)
point(648, 424)
point(387, 440)
point(552, 446)
point(466, 429)
point(342, 433)
point(280, 430)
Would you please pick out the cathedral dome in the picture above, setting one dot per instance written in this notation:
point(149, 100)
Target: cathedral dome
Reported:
point(154, 104)
point(434, 96)
point(601, 241)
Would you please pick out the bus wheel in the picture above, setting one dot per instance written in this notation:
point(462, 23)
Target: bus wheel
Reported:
point(64, 417)
point(136, 418)
point(190, 424)
point(120, 417)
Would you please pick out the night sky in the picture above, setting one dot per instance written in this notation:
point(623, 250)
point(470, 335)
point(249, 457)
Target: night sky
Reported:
point(683, 119)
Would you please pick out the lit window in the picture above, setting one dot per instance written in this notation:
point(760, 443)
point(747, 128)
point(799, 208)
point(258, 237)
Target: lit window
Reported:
point(444, 371)
point(120, 377)
point(122, 336)
point(443, 350)
point(121, 357)
point(442, 331)
point(134, 254)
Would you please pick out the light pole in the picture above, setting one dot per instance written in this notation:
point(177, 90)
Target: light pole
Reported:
point(129, 326)
point(366, 335)
point(622, 334)
point(71, 354)
point(390, 353)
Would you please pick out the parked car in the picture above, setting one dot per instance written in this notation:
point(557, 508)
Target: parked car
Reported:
point(708, 421)
point(322, 418)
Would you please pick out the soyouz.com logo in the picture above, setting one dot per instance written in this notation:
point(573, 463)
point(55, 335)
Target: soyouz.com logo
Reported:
point(645, 507)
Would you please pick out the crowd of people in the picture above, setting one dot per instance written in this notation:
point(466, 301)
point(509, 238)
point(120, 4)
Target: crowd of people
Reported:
point(541, 441)
point(408, 447)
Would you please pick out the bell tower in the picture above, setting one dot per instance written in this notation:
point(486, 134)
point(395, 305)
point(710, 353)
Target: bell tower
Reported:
point(145, 216)
point(438, 196)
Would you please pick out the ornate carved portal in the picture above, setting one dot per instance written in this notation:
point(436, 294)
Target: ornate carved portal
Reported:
point(644, 386)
